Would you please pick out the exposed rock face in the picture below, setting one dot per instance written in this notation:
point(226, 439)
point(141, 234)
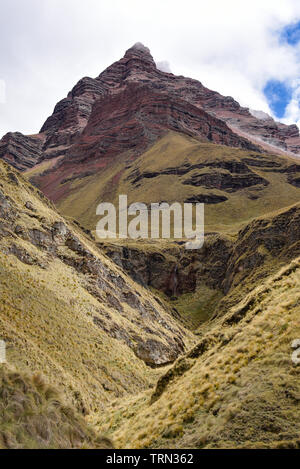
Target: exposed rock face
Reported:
point(270, 134)
point(131, 317)
point(137, 116)
point(129, 121)
point(206, 199)
point(293, 173)
point(277, 237)
point(176, 271)
point(21, 151)
point(138, 65)
point(221, 264)
point(126, 109)
point(71, 115)
point(225, 181)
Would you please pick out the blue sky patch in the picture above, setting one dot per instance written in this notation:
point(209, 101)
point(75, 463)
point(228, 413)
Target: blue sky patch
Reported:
point(291, 34)
point(278, 95)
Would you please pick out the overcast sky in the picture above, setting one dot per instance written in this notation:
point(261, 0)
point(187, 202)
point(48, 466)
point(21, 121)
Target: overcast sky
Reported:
point(249, 50)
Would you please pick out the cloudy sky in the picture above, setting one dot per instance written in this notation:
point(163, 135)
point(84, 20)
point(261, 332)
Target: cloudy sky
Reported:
point(248, 50)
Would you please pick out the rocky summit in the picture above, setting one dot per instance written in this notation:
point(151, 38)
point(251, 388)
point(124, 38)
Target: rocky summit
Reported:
point(141, 343)
point(226, 121)
point(98, 140)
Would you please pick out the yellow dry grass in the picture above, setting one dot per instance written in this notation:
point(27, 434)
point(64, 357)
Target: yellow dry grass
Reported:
point(33, 415)
point(237, 389)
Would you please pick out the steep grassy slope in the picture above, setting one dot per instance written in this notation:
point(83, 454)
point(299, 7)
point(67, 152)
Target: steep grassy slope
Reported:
point(100, 337)
point(238, 388)
point(34, 416)
point(68, 311)
point(235, 184)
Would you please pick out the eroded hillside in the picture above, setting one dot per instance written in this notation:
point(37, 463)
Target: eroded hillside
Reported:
point(69, 312)
point(142, 340)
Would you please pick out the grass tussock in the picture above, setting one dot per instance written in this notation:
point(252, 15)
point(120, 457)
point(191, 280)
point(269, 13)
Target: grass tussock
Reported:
point(33, 415)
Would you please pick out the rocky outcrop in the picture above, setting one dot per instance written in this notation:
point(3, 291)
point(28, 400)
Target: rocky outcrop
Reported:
point(272, 135)
point(136, 116)
point(293, 174)
point(175, 271)
point(21, 151)
point(269, 238)
point(126, 313)
point(222, 264)
point(112, 289)
point(228, 175)
point(71, 115)
point(206, 199)
point(294, 179)
point(138, 65)
point(225, 181)
point(231, 165)
point(124, 111)
point(130, 121)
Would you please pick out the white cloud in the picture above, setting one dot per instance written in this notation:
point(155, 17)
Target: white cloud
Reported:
point(292, 113)
point(164, 66)
point(232, 47)
point(2, 92)
point(260, 114)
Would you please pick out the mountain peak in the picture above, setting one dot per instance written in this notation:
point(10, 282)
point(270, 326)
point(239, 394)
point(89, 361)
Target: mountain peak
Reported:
point(140, 46)
point(140, 51)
